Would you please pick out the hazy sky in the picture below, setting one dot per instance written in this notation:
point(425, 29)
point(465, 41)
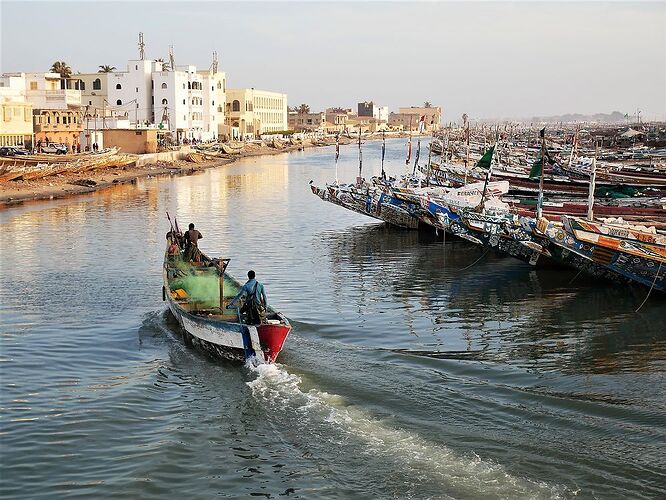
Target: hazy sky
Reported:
point(499, 59)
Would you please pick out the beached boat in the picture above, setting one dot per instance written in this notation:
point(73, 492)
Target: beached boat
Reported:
point(192, 292)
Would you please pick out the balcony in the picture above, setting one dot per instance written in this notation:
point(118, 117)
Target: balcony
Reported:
point(54, 99)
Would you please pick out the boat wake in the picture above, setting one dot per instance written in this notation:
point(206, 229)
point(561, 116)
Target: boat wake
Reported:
point(423, 465)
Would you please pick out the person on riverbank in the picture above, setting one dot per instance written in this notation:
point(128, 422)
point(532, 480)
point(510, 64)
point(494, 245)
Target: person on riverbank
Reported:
point(192, 237)
point(255, 302)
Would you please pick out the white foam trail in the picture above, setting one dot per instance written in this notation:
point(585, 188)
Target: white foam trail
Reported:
point(468, 476)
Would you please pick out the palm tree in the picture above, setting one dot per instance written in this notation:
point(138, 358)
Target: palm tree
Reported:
point(427, 104)
point(106, 68)
point(62, 68)
point(303, 109)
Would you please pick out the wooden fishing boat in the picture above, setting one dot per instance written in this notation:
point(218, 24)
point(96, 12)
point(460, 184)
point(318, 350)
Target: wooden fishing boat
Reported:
point(622, 254)
point(204, 319)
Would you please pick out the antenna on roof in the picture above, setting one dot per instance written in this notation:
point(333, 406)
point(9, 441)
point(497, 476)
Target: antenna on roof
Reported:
point(214, 62)
point(142, 54)
point(171, 59)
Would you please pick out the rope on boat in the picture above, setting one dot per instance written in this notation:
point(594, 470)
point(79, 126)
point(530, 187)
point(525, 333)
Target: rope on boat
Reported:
point(572, 279)
point(650, 291)
point(477, 260)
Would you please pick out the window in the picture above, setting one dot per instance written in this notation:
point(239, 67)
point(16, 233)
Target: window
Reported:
point(164, 85)
point(33, 85)
point(118, 86)
point(136, 67)
point(152, 84)
point(97, 84)
point(58, 119)
point(89, 103)
point(137, 89)
point(184, 101)
point(219, 85)
point(212, 87)
point(164, 101)
point(235, 106)
point(213, 103)
point(183, 86)
point(189, 85)
point(119, 102)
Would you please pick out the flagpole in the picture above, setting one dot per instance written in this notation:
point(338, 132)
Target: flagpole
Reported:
point(337, 155)
point(485, 184)
point(409, 145)
point(467, 149)
point(539, 212)
point(383, 152)
point(593, 178)
point(360, 158)
point(573, 147)
point(429, 160)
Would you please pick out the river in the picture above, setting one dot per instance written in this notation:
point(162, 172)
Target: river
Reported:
point(415, 369)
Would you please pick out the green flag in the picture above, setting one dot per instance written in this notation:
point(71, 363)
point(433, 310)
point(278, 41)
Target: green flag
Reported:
point(485, 160)
point(535, 173)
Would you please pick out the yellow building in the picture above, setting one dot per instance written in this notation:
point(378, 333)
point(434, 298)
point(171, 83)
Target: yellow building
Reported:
point(16, 123)
point(252, 112)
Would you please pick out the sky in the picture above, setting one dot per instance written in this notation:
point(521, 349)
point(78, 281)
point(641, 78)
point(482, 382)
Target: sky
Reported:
point(486, 59)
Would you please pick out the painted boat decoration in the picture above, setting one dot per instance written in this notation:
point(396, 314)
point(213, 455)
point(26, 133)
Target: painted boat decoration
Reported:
point(593, 248)
point(204, 320)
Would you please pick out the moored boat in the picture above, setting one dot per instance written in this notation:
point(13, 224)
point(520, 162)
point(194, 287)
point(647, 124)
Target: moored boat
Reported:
point(197, 295)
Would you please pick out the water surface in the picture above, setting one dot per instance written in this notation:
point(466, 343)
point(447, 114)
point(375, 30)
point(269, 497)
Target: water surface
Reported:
point(416, 368)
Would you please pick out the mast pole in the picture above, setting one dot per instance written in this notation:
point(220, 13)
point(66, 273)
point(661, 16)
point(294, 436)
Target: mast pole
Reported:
point(539, 212)
point(337, 154)
point(383, 152)
point(429, 159)
point(409, 144)
point(485, 184)
point(593, 178)
point(360, 158)
point(467, 147)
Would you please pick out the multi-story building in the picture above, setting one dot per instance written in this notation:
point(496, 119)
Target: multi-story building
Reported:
point(130, 92)
point(300, 122)
point(409, 117)
point(338, 117)
point(371, 110)
point(94, 89)
point(188, 103)
point(55, 102)
point(252, 112)
point(16, 127)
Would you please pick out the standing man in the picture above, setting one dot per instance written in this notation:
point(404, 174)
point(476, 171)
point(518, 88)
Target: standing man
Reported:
point(254, 306)
point(192, 237)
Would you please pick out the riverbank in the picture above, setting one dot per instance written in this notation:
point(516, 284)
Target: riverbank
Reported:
point(73, 183)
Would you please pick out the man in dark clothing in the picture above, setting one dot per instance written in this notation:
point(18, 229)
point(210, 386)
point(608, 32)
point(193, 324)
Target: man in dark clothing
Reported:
point(255, 303)
point(192, 237)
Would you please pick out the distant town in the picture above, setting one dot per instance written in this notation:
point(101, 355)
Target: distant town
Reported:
point(157, 102)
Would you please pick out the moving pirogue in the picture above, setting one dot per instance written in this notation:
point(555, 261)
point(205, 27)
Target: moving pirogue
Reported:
point(32, 167)
point(197, 294)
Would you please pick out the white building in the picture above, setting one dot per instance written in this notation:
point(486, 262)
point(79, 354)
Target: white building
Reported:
point(130, 92)
point(188, 103)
